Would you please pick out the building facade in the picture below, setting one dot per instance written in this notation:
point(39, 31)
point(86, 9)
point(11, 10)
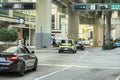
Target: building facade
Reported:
point(10, 18)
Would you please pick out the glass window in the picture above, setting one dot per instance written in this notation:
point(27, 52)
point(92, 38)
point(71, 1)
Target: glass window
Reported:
point(66, 41)
point(10, 49)
point(22, 50)
point(27, 49)
point(18, 51)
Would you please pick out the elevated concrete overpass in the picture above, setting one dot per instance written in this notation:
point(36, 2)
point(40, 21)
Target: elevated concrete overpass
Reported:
point(43, 20)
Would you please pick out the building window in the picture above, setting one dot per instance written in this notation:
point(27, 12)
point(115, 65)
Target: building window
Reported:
point(53, 22)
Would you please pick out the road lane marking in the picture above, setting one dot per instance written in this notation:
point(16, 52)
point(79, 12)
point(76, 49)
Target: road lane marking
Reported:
point(83, 56)
point(42, 77)
point(98, 61)
point(81, 66)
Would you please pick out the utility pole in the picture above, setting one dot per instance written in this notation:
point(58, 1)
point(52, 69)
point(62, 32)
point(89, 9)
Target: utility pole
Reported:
point(30, 28)
point(104, 14)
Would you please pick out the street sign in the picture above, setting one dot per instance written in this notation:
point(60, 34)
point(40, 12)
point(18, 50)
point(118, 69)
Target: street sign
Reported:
point(81, 7)
point(104, 7)
point(93, 7)
point(17, 5)
point(115, 7)
point(96, 6)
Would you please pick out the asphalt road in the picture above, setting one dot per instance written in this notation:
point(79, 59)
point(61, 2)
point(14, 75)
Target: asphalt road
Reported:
point(91, 64)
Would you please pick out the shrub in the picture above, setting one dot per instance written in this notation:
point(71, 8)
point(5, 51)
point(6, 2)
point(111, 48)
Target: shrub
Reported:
point(8, 35)
point(13, 35)
point(44, 46)
point(107, 47)
point(117, 40)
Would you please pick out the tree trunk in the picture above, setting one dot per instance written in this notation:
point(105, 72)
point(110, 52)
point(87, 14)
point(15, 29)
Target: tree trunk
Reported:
point(108, 28)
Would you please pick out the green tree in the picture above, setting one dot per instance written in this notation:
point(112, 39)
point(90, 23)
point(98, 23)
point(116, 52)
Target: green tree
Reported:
point(13, 35)
point(8, 35)
point(108, 17)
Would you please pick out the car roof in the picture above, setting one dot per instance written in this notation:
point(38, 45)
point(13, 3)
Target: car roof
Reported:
point(67, 39)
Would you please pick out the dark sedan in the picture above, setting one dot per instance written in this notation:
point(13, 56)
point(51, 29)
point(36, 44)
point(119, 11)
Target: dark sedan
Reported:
point(17, 59)
point(80, 46)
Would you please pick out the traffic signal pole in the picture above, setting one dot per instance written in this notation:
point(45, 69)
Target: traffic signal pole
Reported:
point(30, 28)
point(103, 27)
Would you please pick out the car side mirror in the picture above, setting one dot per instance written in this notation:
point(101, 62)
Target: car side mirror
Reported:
point(32, 52)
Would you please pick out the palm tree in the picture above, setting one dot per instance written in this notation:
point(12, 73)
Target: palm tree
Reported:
point(108, 17)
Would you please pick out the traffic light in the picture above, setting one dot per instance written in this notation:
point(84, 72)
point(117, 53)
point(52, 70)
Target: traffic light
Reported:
point(104, 7)
point(115, 7)
point(28, 6)
point(80, 7)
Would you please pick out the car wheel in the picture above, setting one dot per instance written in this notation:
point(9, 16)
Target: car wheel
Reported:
point(22, 70)
point(73, 51)
point(83, 49)
point(35, 66)
point(60, 51)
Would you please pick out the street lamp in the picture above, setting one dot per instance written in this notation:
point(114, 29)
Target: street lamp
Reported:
point(30, 28)
point(103, 28)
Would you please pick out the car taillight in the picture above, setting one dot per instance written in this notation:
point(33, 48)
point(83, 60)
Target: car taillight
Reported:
point(12, 58)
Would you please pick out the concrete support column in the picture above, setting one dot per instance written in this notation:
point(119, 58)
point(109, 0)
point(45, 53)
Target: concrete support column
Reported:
point(117, 31)
point(10, 13)
point(100, 36)
point(32, 36)
point(43, 23)
point(97, 35)
point(73, 25)
point(57, 19)
point(64, 27)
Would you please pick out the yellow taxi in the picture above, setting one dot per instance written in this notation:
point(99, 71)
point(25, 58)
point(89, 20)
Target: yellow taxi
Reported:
point(67, 45)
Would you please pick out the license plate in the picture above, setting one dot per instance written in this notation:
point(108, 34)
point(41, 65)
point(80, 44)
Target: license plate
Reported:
point(66, 48)
point(2, 59)
point(4, 68)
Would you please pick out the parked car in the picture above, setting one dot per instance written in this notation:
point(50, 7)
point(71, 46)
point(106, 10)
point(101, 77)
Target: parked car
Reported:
point(117, 44)
point(56, 41)
point(17, 59)
point(80, 46)
point(67, 45)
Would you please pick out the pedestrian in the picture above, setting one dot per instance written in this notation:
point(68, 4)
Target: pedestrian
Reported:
point(21, 42)
point(53, 42)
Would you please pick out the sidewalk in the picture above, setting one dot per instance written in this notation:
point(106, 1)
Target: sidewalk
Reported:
point(97, 49)
point(42, 49)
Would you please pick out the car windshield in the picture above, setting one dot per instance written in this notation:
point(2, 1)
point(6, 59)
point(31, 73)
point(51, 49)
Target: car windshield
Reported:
point(66, 41)
point(9, 49)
